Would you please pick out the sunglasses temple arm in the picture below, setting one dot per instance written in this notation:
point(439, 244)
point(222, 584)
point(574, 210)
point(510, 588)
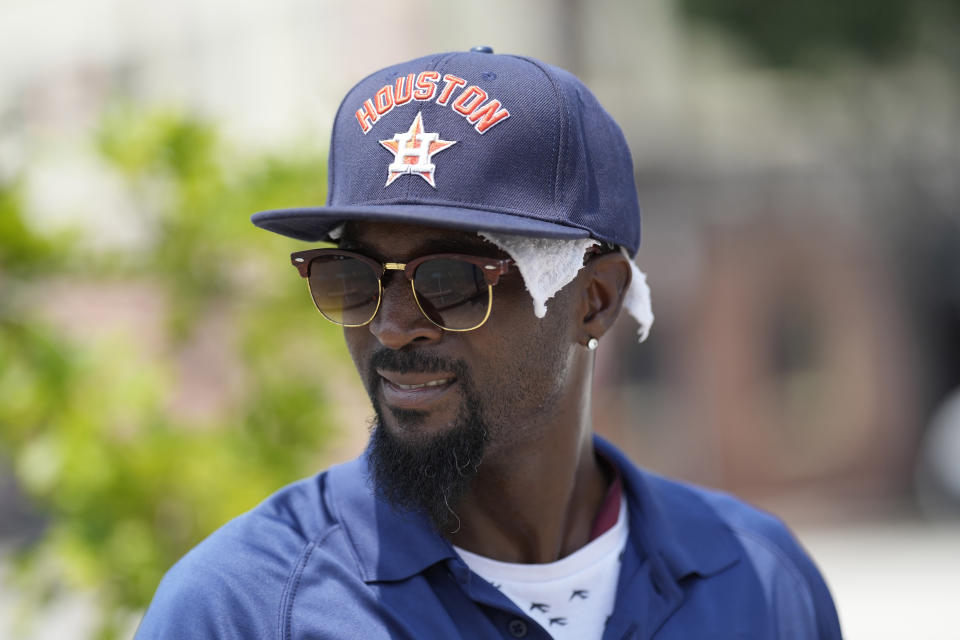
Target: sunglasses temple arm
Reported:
point(492, 276)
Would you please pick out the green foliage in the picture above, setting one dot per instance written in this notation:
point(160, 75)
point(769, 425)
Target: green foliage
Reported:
point(812, 34)
point(128, 480)
point(21, 250)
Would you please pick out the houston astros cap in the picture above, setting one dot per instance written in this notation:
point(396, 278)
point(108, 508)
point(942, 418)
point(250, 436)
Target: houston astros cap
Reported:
point(475, 141)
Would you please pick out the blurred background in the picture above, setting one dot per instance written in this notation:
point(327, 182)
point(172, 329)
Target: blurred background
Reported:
point(162, 369)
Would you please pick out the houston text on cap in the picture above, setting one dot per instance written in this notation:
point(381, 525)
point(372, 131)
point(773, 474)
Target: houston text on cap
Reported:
point(471, 103)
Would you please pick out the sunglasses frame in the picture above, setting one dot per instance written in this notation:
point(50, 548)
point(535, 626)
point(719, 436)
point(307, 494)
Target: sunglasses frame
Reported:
point(492, 269)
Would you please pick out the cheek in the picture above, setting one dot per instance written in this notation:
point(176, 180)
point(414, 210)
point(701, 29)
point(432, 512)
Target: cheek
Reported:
point(357, 340)
point(527, 361)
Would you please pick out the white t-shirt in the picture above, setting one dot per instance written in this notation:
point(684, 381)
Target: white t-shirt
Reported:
point(570, 598)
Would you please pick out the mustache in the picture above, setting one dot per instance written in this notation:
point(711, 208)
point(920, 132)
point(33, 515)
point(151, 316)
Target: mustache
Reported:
point(414, 361)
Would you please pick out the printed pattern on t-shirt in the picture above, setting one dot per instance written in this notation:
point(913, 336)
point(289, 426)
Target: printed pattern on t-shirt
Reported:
point(571, 598)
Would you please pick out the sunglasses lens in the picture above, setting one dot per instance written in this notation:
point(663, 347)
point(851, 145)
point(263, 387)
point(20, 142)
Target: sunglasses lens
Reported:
point(452, 293)
point(345, 290)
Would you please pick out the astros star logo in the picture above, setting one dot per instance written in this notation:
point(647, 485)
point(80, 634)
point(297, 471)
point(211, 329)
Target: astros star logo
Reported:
point(413, 150)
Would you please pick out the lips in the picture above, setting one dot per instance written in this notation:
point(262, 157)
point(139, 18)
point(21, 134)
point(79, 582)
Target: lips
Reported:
point(415, 390)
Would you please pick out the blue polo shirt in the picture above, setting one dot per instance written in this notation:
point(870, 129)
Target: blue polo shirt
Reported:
point(325, 559)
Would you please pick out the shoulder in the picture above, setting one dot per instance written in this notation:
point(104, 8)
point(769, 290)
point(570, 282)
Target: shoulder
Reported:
point(751, 526)
point(792, 588)
point(727, 551)
point(235, 582)
point(768, 542)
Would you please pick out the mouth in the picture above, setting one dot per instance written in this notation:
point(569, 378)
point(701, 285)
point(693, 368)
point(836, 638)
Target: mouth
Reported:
point(414, 390)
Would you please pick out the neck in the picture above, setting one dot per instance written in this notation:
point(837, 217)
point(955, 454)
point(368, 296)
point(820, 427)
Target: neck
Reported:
point(536, 502)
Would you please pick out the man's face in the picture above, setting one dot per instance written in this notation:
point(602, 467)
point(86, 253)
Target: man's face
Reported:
point(447, 401)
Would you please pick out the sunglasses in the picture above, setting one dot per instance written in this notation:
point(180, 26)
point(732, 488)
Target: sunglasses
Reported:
point(454, 291)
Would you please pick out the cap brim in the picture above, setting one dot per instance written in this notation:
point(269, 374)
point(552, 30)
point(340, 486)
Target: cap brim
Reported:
point(313, 223)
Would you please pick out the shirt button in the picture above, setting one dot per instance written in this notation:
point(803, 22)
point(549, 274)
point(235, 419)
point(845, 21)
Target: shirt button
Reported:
point(518, 628)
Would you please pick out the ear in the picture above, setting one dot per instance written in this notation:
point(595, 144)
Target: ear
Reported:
point(607, 278)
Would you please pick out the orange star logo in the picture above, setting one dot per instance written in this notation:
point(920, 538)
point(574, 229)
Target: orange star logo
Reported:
point(413, 151)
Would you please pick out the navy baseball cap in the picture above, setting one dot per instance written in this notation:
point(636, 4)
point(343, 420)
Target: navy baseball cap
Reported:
point(475, 141)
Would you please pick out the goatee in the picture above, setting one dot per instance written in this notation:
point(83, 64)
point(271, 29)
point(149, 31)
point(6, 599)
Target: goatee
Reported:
point(426, 472)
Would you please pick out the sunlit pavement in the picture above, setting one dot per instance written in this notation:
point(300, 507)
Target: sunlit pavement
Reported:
point(891, 581)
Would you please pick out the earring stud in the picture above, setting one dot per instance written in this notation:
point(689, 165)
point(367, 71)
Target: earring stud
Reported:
point(592, 344)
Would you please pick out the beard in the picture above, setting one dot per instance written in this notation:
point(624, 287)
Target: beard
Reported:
point(425, 472)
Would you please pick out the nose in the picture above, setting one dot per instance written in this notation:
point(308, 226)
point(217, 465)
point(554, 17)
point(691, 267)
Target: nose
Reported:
point(399, 321)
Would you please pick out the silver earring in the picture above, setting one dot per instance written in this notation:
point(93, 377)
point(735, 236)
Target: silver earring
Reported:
point(592, 344)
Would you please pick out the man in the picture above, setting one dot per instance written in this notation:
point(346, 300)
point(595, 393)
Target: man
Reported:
point(461, 186)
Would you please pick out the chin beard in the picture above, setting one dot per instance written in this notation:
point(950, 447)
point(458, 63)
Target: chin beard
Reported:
point(429, 473)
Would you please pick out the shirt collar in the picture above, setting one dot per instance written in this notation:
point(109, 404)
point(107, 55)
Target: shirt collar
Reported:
point(673, 521)
point(666, 519)
point(390, 544)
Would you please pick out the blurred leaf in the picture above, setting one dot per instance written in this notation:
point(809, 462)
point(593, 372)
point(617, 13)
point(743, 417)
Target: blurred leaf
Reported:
point(128, 481)
point(21, 250)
